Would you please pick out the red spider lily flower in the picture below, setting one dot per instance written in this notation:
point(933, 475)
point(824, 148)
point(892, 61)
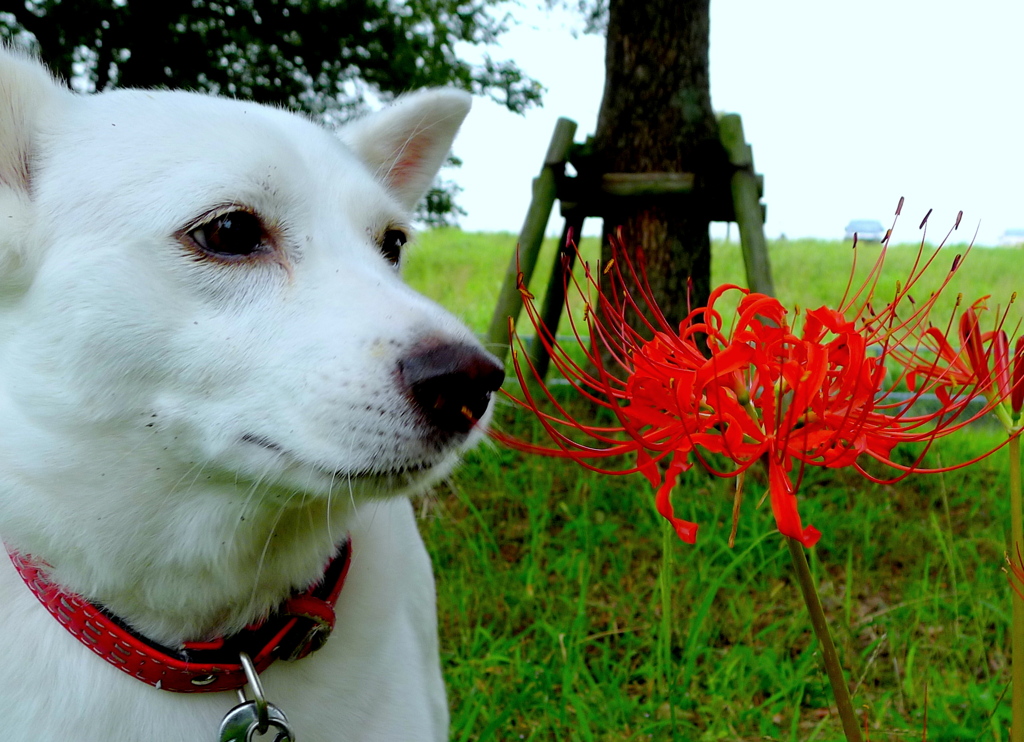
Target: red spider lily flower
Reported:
point(981, 366)
point(822, 392)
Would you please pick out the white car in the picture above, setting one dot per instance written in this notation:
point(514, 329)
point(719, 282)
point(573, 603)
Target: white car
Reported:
point(867, 230)
point(1012, 238)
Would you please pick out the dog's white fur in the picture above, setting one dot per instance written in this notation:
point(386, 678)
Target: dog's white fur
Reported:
point(140, 384)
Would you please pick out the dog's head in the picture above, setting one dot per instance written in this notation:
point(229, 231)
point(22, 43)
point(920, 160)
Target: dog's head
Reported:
point(208, 289)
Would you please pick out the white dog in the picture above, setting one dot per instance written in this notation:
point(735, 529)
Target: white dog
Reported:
point(211, 376)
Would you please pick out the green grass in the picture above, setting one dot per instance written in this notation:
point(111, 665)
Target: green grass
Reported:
point(464, 271)
point(548, 576)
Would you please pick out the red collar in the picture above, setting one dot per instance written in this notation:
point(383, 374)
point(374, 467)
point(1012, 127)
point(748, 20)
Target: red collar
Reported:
point(299, 626)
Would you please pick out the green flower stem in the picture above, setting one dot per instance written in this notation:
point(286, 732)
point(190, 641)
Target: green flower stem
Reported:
point(1017, 630)
point(828, 649)
point(668, 540)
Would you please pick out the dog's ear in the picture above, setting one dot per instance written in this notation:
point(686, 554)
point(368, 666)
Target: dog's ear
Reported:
point(405, 144)
point(26, 88)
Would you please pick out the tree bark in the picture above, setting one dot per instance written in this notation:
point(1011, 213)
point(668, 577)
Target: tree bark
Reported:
point(656, 116)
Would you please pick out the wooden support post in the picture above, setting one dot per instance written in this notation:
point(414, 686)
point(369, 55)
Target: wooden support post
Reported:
point(746, 196)
point(554, 297)
point(647, 184)
point(592, 197)
point(524, 259)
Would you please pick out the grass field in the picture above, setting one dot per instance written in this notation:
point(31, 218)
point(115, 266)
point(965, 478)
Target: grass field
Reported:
point(551, 616)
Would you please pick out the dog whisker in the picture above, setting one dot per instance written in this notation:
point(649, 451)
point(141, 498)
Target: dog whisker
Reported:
point(271, 534)
point(330, 502)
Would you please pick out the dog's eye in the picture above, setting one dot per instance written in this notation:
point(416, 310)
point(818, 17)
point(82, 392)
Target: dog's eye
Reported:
point(391, 245)
point(232, 235)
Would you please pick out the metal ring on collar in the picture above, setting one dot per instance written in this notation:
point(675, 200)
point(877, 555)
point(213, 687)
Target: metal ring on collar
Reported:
point(262, 716)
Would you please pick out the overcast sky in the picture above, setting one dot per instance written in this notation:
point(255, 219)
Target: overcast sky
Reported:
point(848, 106)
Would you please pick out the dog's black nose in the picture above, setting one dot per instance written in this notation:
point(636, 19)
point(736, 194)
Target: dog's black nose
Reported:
point(452, 383)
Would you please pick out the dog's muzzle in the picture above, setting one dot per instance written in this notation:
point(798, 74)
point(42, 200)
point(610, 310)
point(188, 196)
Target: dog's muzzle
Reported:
point(451, 383)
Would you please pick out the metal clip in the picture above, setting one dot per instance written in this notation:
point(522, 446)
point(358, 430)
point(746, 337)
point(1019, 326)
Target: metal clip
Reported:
point(255, 717)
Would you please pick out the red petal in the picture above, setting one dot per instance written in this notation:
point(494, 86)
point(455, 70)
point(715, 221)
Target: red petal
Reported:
point(648, 467)
point(686, 530)
point(784, 507)
point(1001, 359)
point(1017, 395)
point(970, 339)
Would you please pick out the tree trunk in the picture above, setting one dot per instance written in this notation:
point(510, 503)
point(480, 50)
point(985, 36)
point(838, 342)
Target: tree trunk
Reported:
point(656, 116)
